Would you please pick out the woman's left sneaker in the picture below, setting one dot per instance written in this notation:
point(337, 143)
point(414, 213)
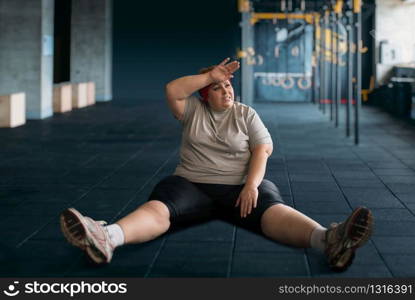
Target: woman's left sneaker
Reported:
point(343, 239)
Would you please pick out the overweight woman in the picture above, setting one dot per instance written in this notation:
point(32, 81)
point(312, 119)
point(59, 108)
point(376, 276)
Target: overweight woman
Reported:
point(223, 156)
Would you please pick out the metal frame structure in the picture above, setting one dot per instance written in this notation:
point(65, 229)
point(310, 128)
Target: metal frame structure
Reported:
point(328, 18)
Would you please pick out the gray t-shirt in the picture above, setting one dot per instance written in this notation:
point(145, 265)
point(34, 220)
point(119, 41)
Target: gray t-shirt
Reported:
point(216, 146)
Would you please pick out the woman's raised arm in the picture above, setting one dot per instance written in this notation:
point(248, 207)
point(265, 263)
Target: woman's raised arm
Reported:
point(181, 88)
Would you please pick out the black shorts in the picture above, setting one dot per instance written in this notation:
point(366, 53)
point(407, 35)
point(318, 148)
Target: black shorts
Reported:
point(191, 202)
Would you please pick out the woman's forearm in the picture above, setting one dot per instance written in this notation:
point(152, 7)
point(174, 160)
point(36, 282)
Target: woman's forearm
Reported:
point(183, 87)
point(257, 167)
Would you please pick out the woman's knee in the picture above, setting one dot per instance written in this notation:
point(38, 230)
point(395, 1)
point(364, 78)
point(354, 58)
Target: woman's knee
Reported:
point(158, 210)
point(269, 186)
point(275, 209)
point(272, 215)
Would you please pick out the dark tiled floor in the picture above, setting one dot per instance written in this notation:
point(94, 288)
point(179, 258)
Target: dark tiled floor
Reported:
point(106, 159)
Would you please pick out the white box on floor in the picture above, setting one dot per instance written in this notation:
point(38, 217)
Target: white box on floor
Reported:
point(62, 97)
point(13, 110)
point(91, 93)
point(79, 95)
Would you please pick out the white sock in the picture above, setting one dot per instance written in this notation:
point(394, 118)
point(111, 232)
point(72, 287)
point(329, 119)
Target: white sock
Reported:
point(116, 234)
point(318, 238)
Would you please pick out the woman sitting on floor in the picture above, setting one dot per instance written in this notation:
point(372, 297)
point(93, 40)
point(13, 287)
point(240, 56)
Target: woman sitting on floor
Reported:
point(223, 156)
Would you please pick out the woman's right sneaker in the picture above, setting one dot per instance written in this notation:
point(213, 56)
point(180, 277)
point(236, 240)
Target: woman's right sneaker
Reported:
point(87, 234)
point(343, 239)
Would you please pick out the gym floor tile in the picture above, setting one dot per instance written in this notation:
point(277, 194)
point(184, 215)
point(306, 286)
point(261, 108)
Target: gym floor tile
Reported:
point(394, 228)
point(411, 207)
point(128, 261)
point(38, 258)
point(87, 175)
point(394, 244)
point(371, 193)
point(386, 165)
point(366, 183)
point(299, 179)
point(373, 204)
point(215, 230)
point(406, 198)
point(332, 196)
point(50, 231)
point(304, 187)
point(195, 259)
point(353, 175)
point(402, 188)
point(120, 180)
point(17, 229)
point(105, 200)
point(392, 214)
point(323, 207)
point(36, 209)
point(402, 265)
point(405, 179)
point(247, 241)
point(269, 264)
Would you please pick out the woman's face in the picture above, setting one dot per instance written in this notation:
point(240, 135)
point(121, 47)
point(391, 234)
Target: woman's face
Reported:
point(220, 96)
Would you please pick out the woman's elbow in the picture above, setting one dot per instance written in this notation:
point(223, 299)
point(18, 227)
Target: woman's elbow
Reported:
point(169, 90)
point(269, 149)
point(167, 87)
point(263, 149)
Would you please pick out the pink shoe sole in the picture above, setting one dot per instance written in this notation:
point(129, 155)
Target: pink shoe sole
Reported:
point(75, 231)
point(72, 228)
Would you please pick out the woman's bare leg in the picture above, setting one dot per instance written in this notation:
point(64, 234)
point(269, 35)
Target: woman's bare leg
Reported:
point(147, 222)
point(287, 225)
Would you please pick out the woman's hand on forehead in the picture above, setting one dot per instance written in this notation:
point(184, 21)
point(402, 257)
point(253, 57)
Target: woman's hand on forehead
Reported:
point(224, 70)
point(232, 66)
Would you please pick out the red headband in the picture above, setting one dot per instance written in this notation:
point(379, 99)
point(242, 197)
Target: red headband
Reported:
point(204, 92)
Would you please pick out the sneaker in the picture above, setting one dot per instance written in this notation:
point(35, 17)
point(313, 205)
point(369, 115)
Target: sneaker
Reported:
point(343, 239)
point(87, 234)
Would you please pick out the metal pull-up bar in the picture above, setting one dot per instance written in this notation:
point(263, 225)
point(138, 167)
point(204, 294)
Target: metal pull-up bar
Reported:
point(357, 10)
point(328, 45)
